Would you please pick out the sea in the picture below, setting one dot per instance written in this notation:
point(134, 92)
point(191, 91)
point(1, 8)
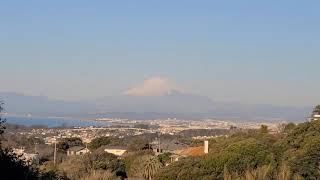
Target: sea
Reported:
point(54, 122)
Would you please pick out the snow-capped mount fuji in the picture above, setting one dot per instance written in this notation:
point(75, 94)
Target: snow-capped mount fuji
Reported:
point(170, 102)
point(155, 86)
point(156, 94)
point(156, 97)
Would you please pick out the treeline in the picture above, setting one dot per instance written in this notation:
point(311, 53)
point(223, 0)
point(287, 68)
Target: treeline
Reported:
point(292, 154)
point(255, 154)
point(203, 132)
point(12, 167)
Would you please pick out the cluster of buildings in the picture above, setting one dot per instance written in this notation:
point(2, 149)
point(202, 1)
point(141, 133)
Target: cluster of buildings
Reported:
point(80, 150)
point(174, 126)
point(127, 128)
point(86, 134)
point(315, 115)
point(28, 157)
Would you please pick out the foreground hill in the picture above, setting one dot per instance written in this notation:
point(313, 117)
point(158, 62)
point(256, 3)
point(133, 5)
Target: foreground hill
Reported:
point(255, 154)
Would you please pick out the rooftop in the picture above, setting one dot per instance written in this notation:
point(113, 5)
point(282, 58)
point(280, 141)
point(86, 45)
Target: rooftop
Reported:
point(192, 151)
point(116, 147)
point(76, 148)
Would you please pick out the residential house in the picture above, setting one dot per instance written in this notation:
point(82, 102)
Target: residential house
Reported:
point(116, 150)
point(77, 150)
point(28, 157)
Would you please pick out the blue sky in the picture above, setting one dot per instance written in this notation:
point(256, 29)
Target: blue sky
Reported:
point(241, 51)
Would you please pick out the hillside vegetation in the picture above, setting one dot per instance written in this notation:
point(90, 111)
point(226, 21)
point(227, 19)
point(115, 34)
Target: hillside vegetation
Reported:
point(255, 154)
point(291, 154)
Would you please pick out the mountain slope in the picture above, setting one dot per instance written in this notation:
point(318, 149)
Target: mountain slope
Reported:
point(171, 105)
point(20, 104)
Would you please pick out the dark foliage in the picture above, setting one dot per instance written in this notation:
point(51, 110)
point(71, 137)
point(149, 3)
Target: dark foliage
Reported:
point(12, 167)
point(69, 142)
point(105, 141)
point(2, 121)
point(252, 151)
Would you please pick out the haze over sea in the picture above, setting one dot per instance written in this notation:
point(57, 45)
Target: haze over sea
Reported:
point(53, 122)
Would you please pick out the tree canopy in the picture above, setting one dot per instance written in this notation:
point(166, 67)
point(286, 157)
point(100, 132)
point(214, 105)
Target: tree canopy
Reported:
point(255, 154)
point(66, 143)
point(104, 141)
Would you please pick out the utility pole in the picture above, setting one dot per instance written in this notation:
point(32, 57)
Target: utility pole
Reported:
point(55, 152)
point(159, 144)
point(35, 148)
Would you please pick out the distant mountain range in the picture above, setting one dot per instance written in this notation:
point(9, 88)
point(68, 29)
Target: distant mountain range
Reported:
point(19, 104)
point(173, 104)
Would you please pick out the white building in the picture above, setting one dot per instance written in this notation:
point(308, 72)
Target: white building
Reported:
point(206, 147)
point(116, 150)
point(49, 140)
point(77, 150)
point(28, 157)
point(316, 117)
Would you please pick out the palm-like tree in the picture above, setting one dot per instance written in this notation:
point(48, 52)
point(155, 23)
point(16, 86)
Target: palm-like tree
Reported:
point(284, 172)
point(151, 167)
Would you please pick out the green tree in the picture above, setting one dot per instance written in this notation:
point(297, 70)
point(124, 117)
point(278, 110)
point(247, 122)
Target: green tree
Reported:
point(137, 165)
point(104, 141)
point(185, 169)
point(240, 156)
point(53, 175)
point(300, 148)
point(306, 162)
point(151, 167)
point(12, 166)
point(90, 164)
point(74, 167)
point(138, 144)
point(164, 158)
point(99, 175)
point(141, 126)
point(133, 162)
point(98, 142)
point(66, 143)
point(101, 160)
point(288, 127)
point(264, 129)
point(29, 142)
point(238, 153)
point(284, 172)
